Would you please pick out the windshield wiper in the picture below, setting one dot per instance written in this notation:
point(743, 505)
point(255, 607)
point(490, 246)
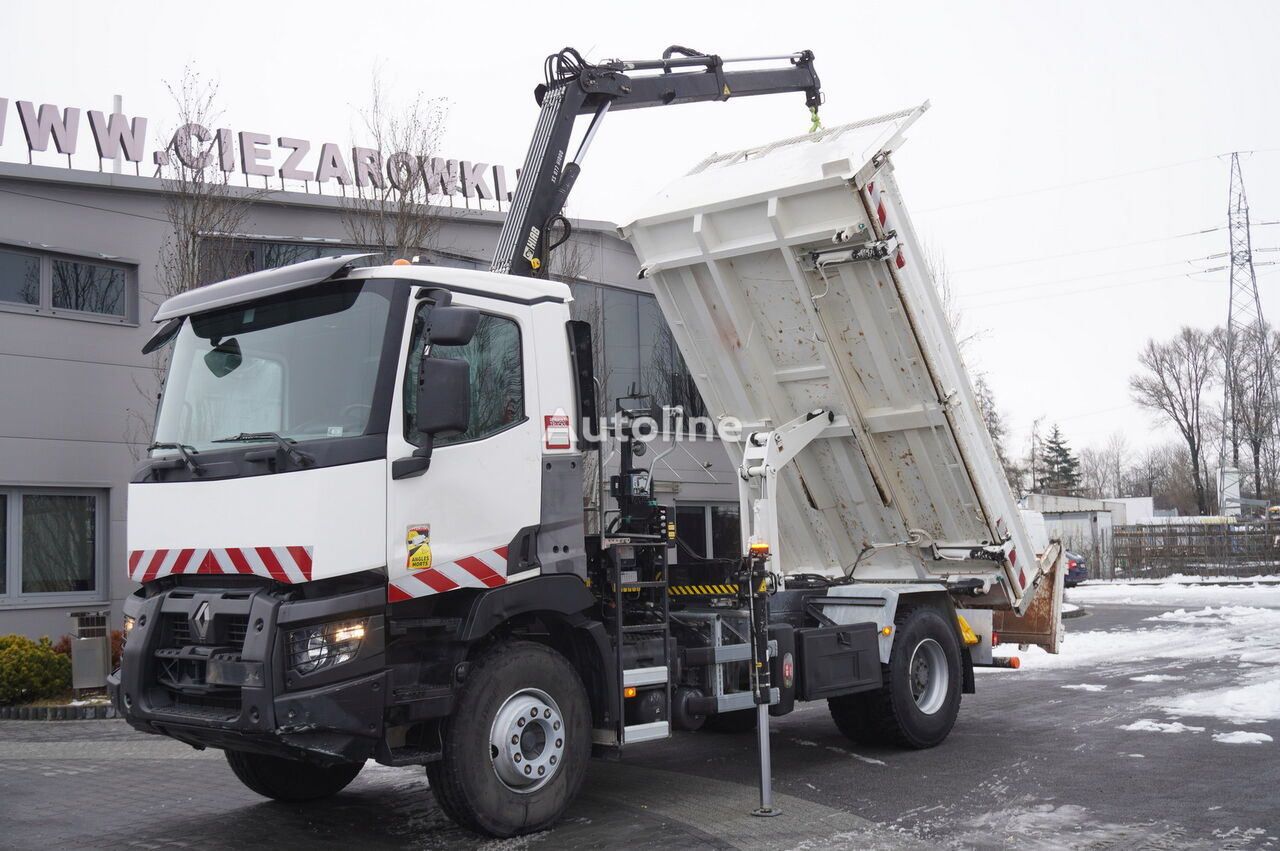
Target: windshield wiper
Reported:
point(196, 469)
point(284, 443)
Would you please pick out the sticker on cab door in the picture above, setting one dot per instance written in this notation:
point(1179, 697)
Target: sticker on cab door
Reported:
point(556, 433)
point(419, 540)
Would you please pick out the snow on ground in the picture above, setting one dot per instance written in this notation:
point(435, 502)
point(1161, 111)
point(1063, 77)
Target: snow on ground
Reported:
point(1191, 578)
point(1208, 624)
point(1241, 737)
point(1248, 704)
point(1178, 593)
point(1151, 726)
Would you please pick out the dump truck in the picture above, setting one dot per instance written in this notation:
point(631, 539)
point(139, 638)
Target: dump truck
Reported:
point(360, 533)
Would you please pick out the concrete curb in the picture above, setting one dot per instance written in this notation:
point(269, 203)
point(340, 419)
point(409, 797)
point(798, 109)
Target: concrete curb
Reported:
point(1078, 613)
point(57, 713)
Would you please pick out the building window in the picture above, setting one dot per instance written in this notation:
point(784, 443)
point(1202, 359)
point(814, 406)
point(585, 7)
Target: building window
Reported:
point(497, 377)
point(67, 286)
point(707, 531)
point(88, 287)
point(51, 545)
point(19, 278)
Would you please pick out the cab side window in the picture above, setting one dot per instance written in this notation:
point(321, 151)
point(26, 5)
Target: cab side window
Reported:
point(497, 378)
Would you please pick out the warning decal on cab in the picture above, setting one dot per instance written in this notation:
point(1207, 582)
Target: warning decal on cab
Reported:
point(419, 540)
point(556, 431)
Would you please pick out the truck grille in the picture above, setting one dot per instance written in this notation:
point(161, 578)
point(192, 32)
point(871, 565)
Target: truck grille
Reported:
point(182, 679)
point(227, 631)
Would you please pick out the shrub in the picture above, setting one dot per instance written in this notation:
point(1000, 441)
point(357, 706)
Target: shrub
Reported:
point(30, 670)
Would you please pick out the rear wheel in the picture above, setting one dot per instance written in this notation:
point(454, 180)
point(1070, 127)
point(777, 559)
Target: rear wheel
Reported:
point(291, 779)
point(920, 699)
point(517, 744)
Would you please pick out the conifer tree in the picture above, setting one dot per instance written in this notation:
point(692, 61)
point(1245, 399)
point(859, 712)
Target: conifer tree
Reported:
point(1060, 465)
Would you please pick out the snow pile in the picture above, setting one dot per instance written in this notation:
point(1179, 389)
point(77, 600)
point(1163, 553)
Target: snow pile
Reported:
point(1086, 687)
point(1157, 678)
point(1150, 725)
point(1240, 737)
point(1248, 704)
point(1266, 594)
point(1236, 632)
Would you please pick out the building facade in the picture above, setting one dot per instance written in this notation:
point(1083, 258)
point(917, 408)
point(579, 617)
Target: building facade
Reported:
point(82, 270)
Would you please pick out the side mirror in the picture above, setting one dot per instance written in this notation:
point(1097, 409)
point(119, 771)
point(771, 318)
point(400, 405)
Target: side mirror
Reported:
point(452, 326)
point(444, 405)
point(444, 395)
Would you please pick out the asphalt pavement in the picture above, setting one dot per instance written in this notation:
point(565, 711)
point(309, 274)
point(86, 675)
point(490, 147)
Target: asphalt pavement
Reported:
point(1033, 762)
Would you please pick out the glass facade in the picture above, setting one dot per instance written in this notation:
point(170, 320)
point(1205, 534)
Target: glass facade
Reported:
point(707, 531)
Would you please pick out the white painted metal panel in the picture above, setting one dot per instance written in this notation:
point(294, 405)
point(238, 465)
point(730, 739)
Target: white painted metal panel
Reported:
point(340, 512)
point(905, 482)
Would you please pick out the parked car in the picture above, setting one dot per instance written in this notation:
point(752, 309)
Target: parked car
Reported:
point(1077, 570)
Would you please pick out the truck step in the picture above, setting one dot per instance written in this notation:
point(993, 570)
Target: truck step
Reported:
point(646, 732)
point(412, 756)
point(644, 676)
point(645, 627)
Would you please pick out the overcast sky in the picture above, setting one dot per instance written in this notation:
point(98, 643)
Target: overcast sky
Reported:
point(1065, 175)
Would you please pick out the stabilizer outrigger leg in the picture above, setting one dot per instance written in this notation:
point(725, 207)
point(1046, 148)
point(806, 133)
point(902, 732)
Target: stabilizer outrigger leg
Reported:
point(755, 587)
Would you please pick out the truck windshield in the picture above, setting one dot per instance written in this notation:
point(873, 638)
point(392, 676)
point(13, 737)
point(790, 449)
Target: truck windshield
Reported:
point(302, 365)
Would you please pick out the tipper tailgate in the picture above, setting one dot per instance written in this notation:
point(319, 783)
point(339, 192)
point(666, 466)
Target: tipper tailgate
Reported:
point(792, 281)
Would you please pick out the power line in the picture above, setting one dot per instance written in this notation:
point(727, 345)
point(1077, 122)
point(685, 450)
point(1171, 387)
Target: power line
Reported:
point(1089, 250)
point(1036, 284)
point(1085, 182)
point(1115, 286)
point(1044, 296)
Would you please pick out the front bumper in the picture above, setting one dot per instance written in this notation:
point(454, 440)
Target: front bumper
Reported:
point(209, 666)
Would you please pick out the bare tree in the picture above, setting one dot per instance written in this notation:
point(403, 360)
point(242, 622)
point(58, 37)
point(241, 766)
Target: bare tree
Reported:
point(202, 208)
point(996, 428)
point(1178, 375)
point(1253, 393)
point(937, 267)
point(199, 199)
point(385, 204)
point(1115, 462)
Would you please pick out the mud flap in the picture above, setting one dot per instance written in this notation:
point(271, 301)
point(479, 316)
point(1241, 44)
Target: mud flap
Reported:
point(1042, 623)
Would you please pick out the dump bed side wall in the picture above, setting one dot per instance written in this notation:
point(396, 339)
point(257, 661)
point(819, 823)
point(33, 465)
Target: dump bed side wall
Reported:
point(768, 338)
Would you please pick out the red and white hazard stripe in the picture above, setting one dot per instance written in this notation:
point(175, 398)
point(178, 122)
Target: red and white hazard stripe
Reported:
point(284, 564)
point(487, 569)
point(882, 213)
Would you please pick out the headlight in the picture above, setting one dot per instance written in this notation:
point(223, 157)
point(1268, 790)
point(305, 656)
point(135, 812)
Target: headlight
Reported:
point(324, 645)
point(128, 626)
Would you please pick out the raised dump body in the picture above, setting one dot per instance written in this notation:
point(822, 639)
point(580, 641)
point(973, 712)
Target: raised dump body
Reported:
point(793, 282)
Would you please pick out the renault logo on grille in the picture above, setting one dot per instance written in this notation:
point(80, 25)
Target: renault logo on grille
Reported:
point(200, 621)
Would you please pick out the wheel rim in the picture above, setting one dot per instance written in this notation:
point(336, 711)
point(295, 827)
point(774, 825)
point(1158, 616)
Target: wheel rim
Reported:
point(929, 676)
point(526, 741)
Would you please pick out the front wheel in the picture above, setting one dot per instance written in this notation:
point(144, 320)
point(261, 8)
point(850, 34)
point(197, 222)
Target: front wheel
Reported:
point(917, 705)
point(517, 744)
point(291, 779)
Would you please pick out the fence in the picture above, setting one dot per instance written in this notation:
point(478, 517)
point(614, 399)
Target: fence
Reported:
point(1159, 550)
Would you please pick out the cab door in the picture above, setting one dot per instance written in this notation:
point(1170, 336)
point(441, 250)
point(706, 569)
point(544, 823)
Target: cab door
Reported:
point(450, 527)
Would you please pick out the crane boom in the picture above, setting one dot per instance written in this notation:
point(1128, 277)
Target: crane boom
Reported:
point(573, 87)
